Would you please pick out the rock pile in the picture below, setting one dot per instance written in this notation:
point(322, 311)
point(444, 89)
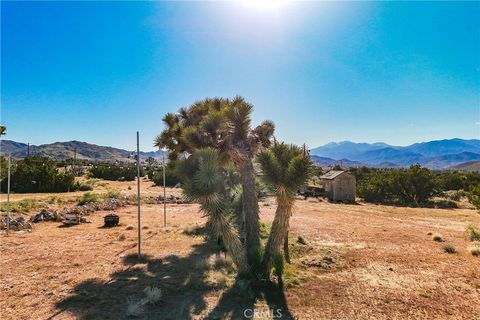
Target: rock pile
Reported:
point(171, 199)
point(16, 224)
point(46, 215)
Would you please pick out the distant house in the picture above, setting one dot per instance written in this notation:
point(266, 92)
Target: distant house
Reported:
point(339, 185)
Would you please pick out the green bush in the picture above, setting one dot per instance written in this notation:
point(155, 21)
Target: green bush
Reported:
point(115, 194)
point(110, 171)
point(472, 232)
point(474, 196)
point(85, 187)
point(412, 186)
point(264, 230)
point(88, 197)
point(21, 206)
point(38, 174)
point(171, 179)
point(448, 248)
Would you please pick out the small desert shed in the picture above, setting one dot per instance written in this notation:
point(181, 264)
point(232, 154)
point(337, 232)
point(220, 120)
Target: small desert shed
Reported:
point(339, 185)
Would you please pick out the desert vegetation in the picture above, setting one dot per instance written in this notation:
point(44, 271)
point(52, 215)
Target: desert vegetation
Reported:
point(416, 186)
point(115, 171)
point(37, 174)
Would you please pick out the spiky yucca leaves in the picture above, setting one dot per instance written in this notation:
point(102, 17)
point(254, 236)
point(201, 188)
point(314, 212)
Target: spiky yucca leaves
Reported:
point(223, 124)
point(203, 180)
point(285, 168)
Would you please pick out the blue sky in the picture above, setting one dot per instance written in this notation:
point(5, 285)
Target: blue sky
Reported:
point(397, 72)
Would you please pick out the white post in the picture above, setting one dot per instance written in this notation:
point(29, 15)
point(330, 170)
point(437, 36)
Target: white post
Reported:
point(138, 195)
point(164, 194)
point(8, 195)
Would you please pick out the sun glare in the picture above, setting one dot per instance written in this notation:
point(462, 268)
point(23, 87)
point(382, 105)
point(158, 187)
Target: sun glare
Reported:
point(263, 4)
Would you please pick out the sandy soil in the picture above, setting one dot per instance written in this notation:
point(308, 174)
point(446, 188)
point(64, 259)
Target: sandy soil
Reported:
point(388, 267)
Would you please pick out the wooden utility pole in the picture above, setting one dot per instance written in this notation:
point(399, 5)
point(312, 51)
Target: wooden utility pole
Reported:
point(138, 195)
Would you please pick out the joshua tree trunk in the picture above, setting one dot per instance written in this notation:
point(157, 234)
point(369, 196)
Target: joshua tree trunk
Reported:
point(250, 204)
point(231, 240)
point(277, 236)
point(286, 251)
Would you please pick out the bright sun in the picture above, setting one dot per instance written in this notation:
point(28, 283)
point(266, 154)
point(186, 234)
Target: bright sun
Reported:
point(263, 4)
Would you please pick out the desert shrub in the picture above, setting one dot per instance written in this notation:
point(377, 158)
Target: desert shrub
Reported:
point(153, 294)
point(472, 232)
point(171, 179)
point(474, 196)
point(85, 187)
point(88, 197)
point(113, 194)
point(291, 276)
point(3, 167)
point(38, 174)
point(424, 293)
point(474, 249)
point(437, 238)
point(110, 171)
point(442, 204)
point(53, 199)
point(452, 180)
point(448, 248)
point(264, 230)
point(375, 188)
point(455, 195)
point(25, 205)
point(135, 307)
point(412, 186)
point(225, 263)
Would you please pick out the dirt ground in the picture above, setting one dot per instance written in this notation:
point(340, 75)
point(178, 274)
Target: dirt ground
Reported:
point(147, 188)
point(382, 263)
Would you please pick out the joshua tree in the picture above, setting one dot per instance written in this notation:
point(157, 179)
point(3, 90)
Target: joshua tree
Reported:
point(225, 125)
point(203, 180)
point(3, 130)
point(285, 168)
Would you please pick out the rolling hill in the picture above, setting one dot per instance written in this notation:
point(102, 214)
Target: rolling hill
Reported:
point(66, 150)
point(470, 166)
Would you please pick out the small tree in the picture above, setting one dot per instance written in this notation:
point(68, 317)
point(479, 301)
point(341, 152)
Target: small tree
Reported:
point(474, 196)
point(39, 174)
point(203, 180)
point(285, 168)
point(414, 185)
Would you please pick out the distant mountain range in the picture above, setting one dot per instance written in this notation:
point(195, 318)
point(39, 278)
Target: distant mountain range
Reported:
point(437, 154)
point(66, 150)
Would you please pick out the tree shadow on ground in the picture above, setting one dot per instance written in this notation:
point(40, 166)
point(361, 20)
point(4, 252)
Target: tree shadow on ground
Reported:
point(239, 302)
point(185, 291)
point(181, 279)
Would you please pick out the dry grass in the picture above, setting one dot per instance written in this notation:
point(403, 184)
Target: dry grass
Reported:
point(378, 260)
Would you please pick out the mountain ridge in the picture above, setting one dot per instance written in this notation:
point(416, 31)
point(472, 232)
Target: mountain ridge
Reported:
point(435, 154)
point(65, 150)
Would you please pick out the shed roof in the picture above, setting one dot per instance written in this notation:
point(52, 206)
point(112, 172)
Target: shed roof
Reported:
point(332, 174)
